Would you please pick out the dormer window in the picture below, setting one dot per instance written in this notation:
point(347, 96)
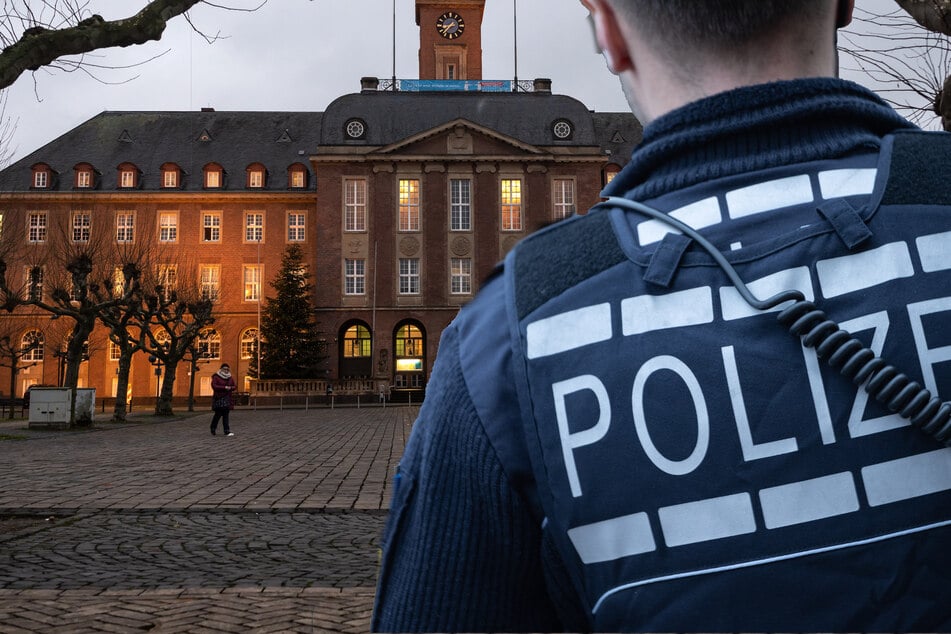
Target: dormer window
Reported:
point(297, 176)
point(214, 176)
point(128, 176)
point(171, 176)
point(42, 176)
point(256, 176)
point(85, 177)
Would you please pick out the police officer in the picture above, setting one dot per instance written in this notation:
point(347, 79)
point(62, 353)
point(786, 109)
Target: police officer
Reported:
point(642, 449)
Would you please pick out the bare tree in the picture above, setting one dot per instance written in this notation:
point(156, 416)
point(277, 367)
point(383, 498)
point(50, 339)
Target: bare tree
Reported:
point(51, 33)
point(909, 64)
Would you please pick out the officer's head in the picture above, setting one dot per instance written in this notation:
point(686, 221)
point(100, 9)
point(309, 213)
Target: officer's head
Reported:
point(673, 51)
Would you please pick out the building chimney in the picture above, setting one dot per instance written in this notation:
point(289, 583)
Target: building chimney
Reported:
point(369, 84)
point(543, 85)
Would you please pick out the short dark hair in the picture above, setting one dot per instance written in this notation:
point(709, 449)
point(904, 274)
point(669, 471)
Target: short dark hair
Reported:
point(713, 23)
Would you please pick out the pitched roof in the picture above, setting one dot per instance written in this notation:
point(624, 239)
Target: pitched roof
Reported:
point(234, 140)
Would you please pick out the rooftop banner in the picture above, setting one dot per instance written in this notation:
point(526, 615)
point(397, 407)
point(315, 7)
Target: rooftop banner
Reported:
point(454, 85)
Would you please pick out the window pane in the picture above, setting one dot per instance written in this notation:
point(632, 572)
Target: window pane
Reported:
point(461, 272)
point(295, 227)
point(253, 227)
point(460, 213)
point(355, 205)
point(211, 228)
point(409, 276)
point(564, 198)
point(355, 277)
point(409, 205)
point(36, 230)
point(252, 283)
point(168, 227)
point(512, 205)
point(81, 225)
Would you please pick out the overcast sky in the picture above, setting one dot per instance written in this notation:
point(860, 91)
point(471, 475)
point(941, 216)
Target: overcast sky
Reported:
point(300, 55)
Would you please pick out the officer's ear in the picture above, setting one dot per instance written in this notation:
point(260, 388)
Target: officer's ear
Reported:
point(843, 16)
point(609, 36)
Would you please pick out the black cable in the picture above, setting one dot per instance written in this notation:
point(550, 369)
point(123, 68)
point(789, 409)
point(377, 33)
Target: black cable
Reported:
point(840, 350)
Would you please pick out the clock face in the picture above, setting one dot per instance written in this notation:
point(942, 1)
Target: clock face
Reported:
point(450, 25)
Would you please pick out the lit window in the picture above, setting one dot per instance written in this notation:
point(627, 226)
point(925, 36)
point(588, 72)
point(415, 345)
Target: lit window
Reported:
point(249, 343)
point(210, 282)
point(167, 282)
point(115, 353)
point(357, 342)
point(32, 346)
point(36, 227)
point(409, 343)
point(170, 179)
point(461, 276)
point(34, 285)
point(296, 229)
point(355, 205)
point(211, 227)
point(355, 277)
point(253, 227)
point(118, 282)
point(409, 205)
point(168, 226)
point(409, 276)
point(512, 205)
point(563, 197)
point(252, 283)
point(609, 176)
point(298, 179)
point(82, 222)
point(209, 344)
point(127, 178)
point(256, 178)
point(460, 204)
point(212, 178)
point(125, 227)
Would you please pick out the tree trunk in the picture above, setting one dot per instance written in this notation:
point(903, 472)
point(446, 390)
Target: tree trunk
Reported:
point(122, 386)
point(74, 350)
point(163, 406)
point(942, 104)
point(934, 15)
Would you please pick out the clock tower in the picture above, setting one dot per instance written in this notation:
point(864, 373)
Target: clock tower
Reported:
point(450, 38)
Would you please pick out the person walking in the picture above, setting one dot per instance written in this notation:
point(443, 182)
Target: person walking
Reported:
point(222, 399)
point(614, 438)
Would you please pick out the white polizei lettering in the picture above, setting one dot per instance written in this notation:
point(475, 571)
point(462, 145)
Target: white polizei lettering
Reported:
point(691, 462)
point(706, 520)
point(935, 252)
point(647, 313)
point(929, 357)
point(907, 478)
point(751, 450)
point(734, 306)
point(819, 400)
point(703, 213)
point(614, 538)
point(776, 194)
point(859, 271)
point(568, 331)
point(847, 182)
point(809, 500)
point(571, 441)
point(878, 323)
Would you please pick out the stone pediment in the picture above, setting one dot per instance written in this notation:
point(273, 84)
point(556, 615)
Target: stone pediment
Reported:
point(458, 138)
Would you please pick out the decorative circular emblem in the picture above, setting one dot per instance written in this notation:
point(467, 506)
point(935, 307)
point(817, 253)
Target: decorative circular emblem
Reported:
point(562, 129)
point(355, 129)
point(409, 246)
point(461, 246)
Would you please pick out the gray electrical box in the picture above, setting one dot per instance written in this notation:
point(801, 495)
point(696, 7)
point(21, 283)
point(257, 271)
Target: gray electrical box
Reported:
point(50, 407)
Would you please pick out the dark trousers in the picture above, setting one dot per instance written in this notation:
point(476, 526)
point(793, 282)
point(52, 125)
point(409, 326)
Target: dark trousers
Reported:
point(220, 414)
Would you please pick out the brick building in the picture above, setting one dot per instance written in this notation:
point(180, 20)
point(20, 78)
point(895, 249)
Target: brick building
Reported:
point(403, 196)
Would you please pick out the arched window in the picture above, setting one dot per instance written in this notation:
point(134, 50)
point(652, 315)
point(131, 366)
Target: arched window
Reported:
point(356, 348)
point(409, 356)
point(32, 346)
point(249, 343)
point(209, 344)
point(357, 341)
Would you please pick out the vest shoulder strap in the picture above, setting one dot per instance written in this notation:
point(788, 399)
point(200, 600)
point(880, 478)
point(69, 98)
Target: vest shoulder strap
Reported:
point(920, 169)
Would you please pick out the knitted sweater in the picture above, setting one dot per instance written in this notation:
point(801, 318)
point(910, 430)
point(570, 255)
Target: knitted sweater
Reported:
point(463, 548)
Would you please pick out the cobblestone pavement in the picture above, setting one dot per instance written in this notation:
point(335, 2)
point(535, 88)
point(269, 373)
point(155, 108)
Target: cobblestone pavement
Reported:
point(158, 526)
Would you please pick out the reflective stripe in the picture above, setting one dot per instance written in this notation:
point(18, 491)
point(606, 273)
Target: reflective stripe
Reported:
point(838, 276)
point(809, 500)
point(847, 182)
point(648, 313)
point(776, 194)
point(908, 478)
point(935, 251)
point(568, 331)
point(706, 520)
point(613, 539)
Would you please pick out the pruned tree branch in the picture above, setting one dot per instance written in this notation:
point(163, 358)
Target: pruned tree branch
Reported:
point(40, 46)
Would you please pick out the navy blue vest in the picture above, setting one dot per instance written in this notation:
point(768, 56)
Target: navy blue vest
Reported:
point(697, 466)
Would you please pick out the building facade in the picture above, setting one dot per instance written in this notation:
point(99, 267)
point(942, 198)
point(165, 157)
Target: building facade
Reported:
point(403, 196)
